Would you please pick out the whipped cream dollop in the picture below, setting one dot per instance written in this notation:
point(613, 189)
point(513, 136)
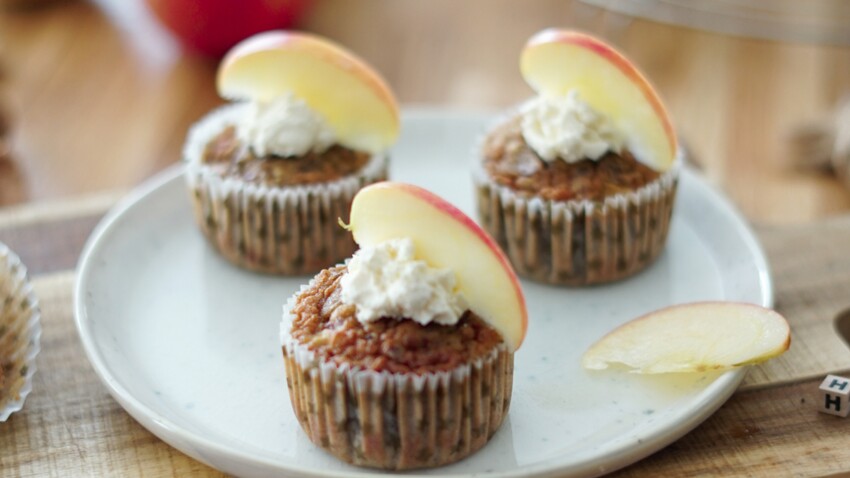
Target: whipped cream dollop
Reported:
point(567, 128)
point(284, 126)
point(387, 281)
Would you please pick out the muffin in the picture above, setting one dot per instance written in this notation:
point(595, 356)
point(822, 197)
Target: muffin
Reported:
point(20, 333)
point(577, 184)
point(272, 172)
point(396, 360)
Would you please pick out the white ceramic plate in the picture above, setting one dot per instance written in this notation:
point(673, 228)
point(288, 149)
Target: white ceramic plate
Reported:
point(188, 344)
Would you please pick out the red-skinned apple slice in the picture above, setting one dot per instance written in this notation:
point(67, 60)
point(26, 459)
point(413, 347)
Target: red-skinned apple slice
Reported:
point(444, 237)
point(351, 96)
point(554, 62)
point(693, 337)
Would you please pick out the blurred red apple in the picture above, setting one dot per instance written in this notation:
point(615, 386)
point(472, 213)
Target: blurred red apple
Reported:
point(211, 27)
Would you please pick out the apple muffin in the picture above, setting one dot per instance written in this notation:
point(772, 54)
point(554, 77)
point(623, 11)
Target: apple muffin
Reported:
point(272, 173)
point(20, 333)
point(392, 361)
point(577, 185)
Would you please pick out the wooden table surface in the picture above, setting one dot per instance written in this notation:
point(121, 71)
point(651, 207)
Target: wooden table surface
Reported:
point(99, 97)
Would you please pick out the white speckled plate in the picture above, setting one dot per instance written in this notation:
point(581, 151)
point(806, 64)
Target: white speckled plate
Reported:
point(189, 344)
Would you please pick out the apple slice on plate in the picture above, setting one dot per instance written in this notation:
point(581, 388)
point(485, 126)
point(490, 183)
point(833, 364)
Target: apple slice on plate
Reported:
point(693, 337)
point(554, 62)
point(353, 98)
point(446, 238)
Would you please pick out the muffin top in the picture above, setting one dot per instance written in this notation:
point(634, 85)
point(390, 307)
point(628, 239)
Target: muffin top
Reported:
point(305, 110)
point(511, 161)
point(595, 128)
point(307, 92)
point(590, 100)
point(428, 291)
point(229, 156)
point(329, 327)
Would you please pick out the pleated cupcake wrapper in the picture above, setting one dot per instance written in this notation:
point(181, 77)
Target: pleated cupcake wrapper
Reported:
point(578, 242)
point(396, 421)
point(284, 230)
point(20, 333)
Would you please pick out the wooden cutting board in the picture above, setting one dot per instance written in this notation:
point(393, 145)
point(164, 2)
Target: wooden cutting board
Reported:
point(811, 270)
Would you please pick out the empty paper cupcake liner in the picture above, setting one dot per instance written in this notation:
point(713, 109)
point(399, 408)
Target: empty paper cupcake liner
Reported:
point(20, 333)
point(578, 242)
point(396, 421)
point(289, 230)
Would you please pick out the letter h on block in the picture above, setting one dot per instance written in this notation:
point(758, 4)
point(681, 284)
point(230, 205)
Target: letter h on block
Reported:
point(834, 394)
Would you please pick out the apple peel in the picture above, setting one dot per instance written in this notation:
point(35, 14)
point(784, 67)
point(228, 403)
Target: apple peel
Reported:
point(446, 238)
point(555, 61)
point(695, 337)
point(352, 97)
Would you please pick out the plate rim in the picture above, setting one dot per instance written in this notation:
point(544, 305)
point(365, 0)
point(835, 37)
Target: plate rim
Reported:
point(624, 455)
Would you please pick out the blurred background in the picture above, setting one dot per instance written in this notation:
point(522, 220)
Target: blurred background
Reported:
point(97, 94)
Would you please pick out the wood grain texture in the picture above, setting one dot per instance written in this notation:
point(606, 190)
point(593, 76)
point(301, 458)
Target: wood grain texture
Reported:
point(811, 269)
point(49, 236)
point(771, 432)
point(101, 96)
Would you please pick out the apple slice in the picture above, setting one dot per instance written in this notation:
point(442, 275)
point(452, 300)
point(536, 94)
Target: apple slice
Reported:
point(353, 98)
point(554, 62)
point(444, 237)
point(693, 338)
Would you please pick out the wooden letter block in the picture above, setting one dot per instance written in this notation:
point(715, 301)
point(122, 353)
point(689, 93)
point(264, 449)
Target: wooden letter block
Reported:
point(835, 395)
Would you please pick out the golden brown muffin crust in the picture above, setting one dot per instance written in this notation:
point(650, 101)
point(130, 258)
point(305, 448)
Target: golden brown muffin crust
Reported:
point(511, 162)
point(330, 328)
point(229, 157)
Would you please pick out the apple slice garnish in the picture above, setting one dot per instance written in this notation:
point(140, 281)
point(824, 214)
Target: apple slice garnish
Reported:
point(353, 98)
point(445, 238)
point(554, 62)
point(694, 337)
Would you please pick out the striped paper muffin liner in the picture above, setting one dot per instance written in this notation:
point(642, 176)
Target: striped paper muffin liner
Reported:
point(290, 230)
point(578, 242)
point(396, 421)
point(20, 333)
